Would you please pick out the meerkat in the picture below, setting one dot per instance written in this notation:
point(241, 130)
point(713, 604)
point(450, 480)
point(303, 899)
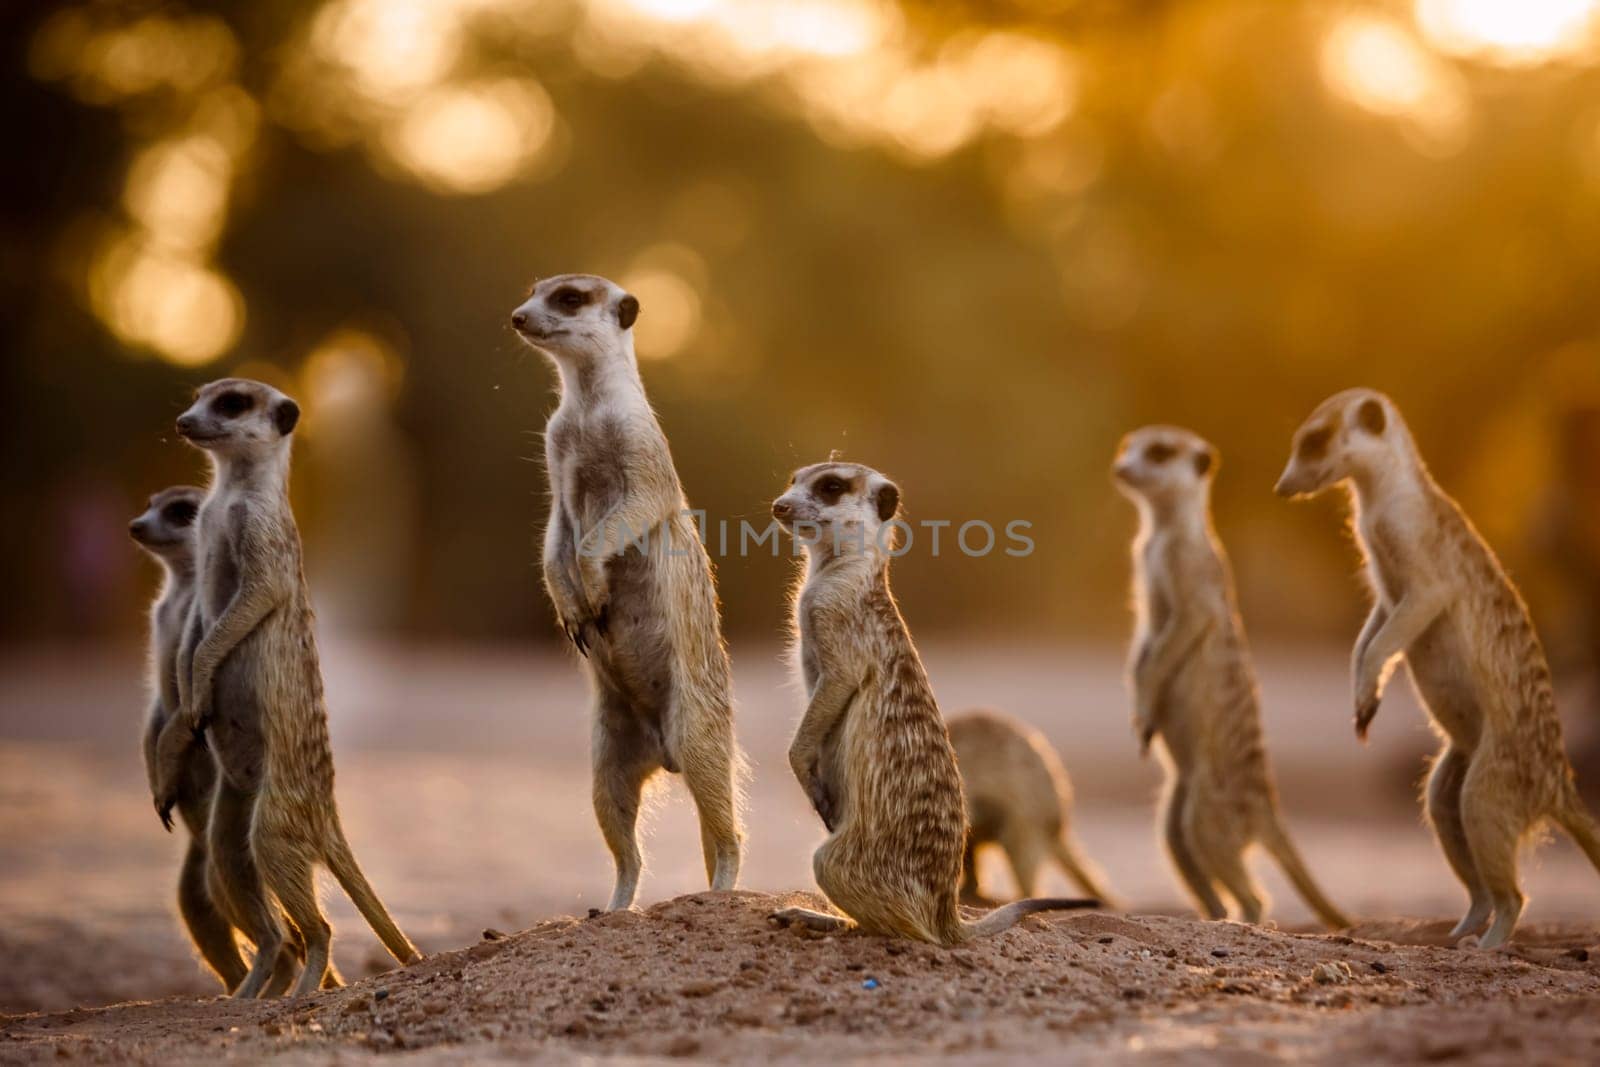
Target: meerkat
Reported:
point(166, 532)
point(1443, 604)
point(1018, 797)
point(249, 678)
point(1193, 684)
point(871, 751)
point(631, 582)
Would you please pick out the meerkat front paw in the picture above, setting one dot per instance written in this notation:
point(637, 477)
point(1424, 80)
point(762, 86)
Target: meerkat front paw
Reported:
point(822, 802)
point(1366, 709)
point(165, 801)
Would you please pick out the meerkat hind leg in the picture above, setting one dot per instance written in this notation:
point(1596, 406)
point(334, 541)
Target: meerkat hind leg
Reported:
point(1444, 812)
point(293, 880)
point(210, 929)
point(1183, 856)
point(1493, 836)
point(1235, 878)
point(234, 872)
point(708, 772)
point(1023, 854)
point(623, 760)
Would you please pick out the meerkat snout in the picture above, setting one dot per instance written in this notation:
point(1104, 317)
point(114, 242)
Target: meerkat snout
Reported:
point(1348, 434)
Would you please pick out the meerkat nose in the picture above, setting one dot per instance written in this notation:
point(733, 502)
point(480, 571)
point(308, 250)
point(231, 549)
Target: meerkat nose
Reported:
point(186, 424)
point(781, 509)
point(1284, 488)
point(136, 528)
point(519, 319)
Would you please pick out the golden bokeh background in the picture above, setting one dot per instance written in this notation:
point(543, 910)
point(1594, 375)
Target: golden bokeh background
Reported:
point(969, 243)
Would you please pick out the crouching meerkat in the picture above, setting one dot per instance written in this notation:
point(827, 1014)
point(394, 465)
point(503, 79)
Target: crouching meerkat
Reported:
point(1018, 797)
point(249, 678)
point(631, 581)
point(1442, 603)
point(871, 751)
point(1193, 684)
point(166, 531)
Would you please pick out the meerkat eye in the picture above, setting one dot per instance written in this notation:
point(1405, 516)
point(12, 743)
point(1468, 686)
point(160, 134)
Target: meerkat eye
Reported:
point(569, 299)
point(1159, 453)
point(1314, 444)
point(830, 488)
point(232, 404)
point(179, 512)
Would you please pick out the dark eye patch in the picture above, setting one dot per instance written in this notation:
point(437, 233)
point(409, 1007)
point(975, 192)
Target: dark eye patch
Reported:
point(1314, 445)
point(830, 487)
point(232, 404)
point(1159, 453)
point(569, 299)
point(179, 512)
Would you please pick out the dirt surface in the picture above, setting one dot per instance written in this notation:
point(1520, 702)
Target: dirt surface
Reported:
point(710, 976)
point(463, 786)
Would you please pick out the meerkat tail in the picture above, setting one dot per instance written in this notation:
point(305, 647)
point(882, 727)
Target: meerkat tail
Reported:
point(1005, 918)
point(1576, 820)
point(342, 862)
point(1277, 842)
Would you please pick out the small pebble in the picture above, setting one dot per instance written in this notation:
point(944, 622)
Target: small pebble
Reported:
point(1380, 967)
point(1220, 953)
point(870, 983)
point(380, 994)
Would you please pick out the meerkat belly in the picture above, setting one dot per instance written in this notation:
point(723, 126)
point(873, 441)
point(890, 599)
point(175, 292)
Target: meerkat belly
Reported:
point(239, 707)
point(1438, 662)
point(636, 656)
point(1182, 709)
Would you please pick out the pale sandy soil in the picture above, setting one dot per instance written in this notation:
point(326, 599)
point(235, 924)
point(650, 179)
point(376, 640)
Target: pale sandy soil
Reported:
point(463, 778)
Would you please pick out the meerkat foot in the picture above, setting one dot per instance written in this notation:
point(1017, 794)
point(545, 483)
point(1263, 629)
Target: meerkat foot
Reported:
point(1473, 921)
point(811, 920)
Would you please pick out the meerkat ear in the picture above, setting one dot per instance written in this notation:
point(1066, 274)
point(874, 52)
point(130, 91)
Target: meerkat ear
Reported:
point(1204, 461)
point(627, 310)
point(1370, 417)
point(887, 497)
point(285, 415)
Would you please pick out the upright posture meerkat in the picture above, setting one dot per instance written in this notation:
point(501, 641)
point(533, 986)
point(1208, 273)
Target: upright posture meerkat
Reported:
point(631, 582)
point(166, 531)
point(1442, 601)
point(1018, 797)
point(872, 752)
point(1193, 685)
point(254, 685)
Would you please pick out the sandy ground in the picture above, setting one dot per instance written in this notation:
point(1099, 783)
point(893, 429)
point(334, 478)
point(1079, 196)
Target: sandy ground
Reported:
point(463, 779)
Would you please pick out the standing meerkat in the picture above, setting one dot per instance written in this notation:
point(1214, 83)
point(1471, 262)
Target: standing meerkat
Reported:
point(631, 581)
point(1193, 685)
point(166, 531)
point(1018, 797)
point(872, 752)
point(253, 683)
point(1442, 602)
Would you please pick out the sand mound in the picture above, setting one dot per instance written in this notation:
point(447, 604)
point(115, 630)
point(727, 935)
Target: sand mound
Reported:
point(709, 976)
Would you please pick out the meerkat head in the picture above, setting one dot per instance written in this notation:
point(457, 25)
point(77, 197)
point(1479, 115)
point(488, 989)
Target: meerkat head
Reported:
point(166, 529)
point(576, 316)
point(237, 416)
point(838, 508)
point(1164, 463)
point(1351, 433)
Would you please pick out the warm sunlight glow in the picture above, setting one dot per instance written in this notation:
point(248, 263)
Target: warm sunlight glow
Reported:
point(1377, 65)
point(179, 191)
point(663, 278)
point(474, 138)
point(393, 48)
point(351, 369)
point(185, 312)
point(1513, 32)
